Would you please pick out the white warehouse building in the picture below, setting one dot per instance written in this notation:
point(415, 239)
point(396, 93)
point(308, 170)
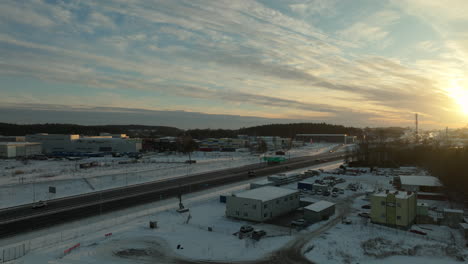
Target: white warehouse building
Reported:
point(262, 204)
point(19, 149)
point(74, 143)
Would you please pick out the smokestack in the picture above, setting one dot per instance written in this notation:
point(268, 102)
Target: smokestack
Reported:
point(417, 129)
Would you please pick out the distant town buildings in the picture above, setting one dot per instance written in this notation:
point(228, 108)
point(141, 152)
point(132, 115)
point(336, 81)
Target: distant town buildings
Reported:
point(19, 149)
point(262, 204)
point(328, 138)
point(394, 208)
point(12, 139)
point(75, 143)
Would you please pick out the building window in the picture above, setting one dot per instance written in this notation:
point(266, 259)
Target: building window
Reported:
point(265, 206)
point(277, 201)
point(246, 214)
point(382, 203)
point(290, 198)
point(254, 206)
point(265, 215)
point(398, 217)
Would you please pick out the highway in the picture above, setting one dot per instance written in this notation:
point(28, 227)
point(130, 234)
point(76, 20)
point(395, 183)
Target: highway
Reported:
point(24, 218)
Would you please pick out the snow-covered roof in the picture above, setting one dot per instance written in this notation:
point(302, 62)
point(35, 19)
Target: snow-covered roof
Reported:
point(457, 211)
point(398, 194)
point(464, 225)
point(319, 206)
point(420, 180)
point(19, 143)
point(266, 193)
point(264, 181)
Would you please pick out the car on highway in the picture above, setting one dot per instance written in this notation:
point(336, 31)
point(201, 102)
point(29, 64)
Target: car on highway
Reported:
point(366, 206)
point(326, 193)
point(334, 194)
point(251, 173)
point(39, 204)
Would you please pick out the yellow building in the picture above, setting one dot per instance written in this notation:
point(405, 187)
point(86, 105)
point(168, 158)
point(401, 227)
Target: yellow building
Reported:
point(394, 208)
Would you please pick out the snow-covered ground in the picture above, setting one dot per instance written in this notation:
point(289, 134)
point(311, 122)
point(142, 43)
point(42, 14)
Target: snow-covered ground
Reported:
point(25, 182)
point(364, 242)
point(131, 234)
point(132, 241)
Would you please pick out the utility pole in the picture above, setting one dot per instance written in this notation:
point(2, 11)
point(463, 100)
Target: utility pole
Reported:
point(417, 132)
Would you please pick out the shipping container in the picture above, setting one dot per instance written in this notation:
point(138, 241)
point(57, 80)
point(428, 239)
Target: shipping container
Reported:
point(304, 186)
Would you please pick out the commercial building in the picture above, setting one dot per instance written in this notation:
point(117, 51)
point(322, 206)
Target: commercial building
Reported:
point(328, 138)
point(19, 149)
point(427, 187)
point(319, 211)
point(221, 144)
point(394, 208)
point(12, 139)
point(75, 143)
point(262, 204)
point(420, 184)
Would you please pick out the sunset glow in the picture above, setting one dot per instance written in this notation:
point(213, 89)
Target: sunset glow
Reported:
point(360, 63)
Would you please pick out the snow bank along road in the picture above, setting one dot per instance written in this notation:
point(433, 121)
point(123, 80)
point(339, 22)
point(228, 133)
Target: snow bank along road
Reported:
point(24, 218)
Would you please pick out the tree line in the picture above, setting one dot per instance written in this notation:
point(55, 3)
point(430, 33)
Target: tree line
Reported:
point(281, 130)
point(449, 164)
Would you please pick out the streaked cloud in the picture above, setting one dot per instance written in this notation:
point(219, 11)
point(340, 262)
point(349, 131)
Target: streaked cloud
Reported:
point(317, 60)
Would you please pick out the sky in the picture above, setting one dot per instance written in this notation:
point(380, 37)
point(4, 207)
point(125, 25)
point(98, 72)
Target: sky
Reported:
point(227, 64)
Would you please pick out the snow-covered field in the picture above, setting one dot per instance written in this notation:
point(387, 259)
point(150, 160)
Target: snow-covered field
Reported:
point(130, 233)
point(132, 241)
point(25, 182)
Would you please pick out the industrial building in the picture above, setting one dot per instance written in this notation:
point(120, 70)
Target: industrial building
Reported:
point(12, 139)
point(221, 144)
point(420, 183)
point(427, 187)
point(318, 211)
point(19, 149)
point(262, 204)
point(328, 138)
point(394, 208)
point(75, 143)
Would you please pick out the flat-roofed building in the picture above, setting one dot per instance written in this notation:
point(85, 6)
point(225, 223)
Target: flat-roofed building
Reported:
point(420, 184)
point(12, 139)
point(74, 143)
point(19, 149)
point(329, 138)
point(262, 204)
point(394, 208)
point(319, 211)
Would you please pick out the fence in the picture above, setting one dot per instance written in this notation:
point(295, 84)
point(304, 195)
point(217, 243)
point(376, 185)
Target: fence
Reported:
point(15, 252)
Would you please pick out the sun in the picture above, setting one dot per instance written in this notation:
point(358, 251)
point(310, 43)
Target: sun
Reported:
point(462, 100)
point(460, 95)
